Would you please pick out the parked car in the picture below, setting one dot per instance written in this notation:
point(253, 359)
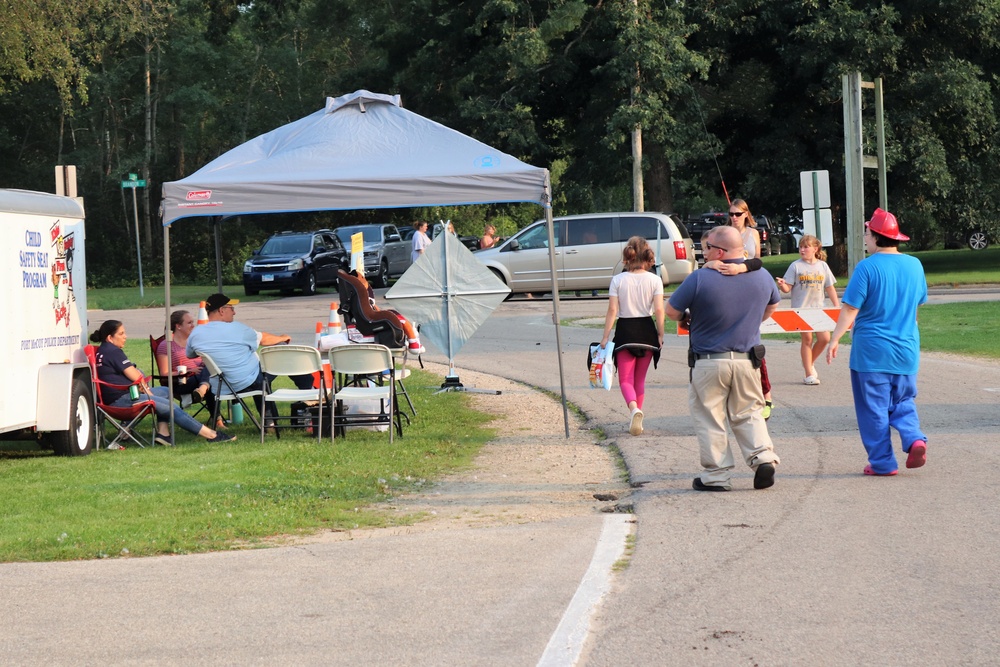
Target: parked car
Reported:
point(697, 227)
point(792, 235)
point(766, 231)
point(470, 242)
point(974, 239)
point(387, 255)
point(588, 251)
point(295, 260)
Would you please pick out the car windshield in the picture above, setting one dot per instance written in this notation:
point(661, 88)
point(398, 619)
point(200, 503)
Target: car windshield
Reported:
point(287, 245)
point(371, 234)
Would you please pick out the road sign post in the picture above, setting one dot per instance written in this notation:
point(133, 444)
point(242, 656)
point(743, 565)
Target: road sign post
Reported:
point(132, 183)
point(816, 216)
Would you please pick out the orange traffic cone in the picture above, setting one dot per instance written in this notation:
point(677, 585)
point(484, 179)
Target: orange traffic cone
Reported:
point(333, 327)
point(319, 333)
point(327, 376)
point(202, 314)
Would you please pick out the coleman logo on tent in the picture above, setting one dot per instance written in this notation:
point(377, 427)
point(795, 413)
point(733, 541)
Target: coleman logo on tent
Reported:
point(198, 195)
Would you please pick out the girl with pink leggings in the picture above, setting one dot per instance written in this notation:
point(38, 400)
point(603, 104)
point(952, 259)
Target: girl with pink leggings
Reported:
point(635, 310)
point(632, 376)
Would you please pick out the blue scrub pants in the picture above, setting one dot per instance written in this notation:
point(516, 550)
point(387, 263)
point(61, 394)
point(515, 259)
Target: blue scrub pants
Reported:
point(882, 400)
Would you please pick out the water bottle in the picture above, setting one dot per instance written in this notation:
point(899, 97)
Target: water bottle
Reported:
point(237, 410)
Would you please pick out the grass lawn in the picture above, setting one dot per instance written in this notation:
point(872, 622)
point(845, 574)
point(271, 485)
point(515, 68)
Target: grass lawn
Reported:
point(199, 497)
point(943, 268)
point(127, 298)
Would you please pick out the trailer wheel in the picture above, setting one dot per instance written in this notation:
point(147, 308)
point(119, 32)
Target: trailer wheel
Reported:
point(79, 439)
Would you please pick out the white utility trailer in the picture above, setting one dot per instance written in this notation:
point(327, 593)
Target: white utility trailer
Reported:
point(46, 394)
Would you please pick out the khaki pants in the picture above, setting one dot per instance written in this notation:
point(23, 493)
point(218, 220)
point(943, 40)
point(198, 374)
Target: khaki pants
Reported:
point(728, 391)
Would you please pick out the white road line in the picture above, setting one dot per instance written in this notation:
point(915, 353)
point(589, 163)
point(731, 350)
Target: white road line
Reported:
point(567, 641)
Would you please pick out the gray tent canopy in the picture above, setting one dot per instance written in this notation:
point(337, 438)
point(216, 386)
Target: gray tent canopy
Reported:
point(362, 150)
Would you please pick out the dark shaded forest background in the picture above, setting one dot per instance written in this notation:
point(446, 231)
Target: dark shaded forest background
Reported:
point(746, 89)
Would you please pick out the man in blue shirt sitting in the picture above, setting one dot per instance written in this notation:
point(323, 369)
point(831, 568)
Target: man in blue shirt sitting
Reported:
point(233, 346)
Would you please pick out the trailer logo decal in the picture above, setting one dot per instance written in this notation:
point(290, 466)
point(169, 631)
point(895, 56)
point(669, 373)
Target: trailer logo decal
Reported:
point(41, 269)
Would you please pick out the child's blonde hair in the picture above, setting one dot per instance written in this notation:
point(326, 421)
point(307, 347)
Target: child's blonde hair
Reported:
point(809, 239)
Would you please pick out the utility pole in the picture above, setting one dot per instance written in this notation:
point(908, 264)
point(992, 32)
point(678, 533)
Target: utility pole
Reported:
point(638, 196)
point(855, 162)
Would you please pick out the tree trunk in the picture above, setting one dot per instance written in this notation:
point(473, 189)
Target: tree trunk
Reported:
point(836, 255)
point(147, 156)
point(659, 189)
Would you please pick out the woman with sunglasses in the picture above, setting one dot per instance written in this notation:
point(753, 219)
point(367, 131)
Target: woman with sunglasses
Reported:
point(740, 218)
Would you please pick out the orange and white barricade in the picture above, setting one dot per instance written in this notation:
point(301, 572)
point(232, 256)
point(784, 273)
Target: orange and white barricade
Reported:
point(793, 320)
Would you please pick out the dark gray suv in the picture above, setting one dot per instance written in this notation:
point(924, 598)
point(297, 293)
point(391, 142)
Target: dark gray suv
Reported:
point(295, 260)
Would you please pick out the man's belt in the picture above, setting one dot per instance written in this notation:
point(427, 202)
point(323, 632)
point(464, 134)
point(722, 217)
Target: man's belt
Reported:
point(725, 355)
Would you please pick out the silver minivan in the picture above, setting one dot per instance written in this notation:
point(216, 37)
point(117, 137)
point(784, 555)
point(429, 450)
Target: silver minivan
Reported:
point(588, 251)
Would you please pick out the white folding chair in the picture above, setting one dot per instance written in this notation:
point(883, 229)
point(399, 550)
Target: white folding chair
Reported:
point(284, 360)
point(400, 355)
point(227, 392)
point(368, 373)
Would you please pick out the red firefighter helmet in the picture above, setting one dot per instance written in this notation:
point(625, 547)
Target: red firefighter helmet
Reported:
point(885, 223)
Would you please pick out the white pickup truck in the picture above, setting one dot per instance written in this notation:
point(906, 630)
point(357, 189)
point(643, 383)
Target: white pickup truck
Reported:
point(48, 393)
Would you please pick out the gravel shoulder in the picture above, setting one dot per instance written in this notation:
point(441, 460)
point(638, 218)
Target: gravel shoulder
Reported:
point(531, 472)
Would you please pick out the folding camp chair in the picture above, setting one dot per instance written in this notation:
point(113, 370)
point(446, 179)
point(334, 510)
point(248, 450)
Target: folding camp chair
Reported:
point(287, 360)
point(124, 419)
point(186, 400)
point(227, 392)
point(363, 371)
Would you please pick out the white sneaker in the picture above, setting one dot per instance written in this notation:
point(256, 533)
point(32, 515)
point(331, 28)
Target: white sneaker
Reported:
point(811, 380)
point(635, 427)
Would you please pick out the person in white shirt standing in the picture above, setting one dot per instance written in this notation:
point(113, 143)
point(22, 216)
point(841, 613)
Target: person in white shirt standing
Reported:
point(420, 240)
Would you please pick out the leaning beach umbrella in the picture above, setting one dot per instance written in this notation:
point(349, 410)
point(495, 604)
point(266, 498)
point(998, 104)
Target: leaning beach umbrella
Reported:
point(450, 294)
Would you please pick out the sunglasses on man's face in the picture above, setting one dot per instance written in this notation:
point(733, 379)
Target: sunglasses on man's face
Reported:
point(715, 247)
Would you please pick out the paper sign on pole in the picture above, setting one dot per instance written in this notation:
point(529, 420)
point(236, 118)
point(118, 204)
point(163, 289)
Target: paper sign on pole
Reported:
point(358, 252)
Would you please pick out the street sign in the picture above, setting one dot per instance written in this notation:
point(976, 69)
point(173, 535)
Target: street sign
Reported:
point(815, 186)
point(823, 229)
point(134, 184)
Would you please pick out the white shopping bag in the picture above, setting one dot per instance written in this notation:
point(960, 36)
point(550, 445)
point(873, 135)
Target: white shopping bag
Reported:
point(602, 365)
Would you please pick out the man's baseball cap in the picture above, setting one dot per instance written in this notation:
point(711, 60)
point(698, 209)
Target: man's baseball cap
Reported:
point(216, 301)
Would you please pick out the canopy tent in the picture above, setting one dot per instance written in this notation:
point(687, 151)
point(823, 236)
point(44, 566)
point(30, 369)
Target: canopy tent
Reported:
point(362, 150)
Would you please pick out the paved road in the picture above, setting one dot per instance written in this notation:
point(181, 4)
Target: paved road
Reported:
point(827, 567)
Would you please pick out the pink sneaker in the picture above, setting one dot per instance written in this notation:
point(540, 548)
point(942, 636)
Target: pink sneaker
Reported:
point(918, 454)
point(869, 471)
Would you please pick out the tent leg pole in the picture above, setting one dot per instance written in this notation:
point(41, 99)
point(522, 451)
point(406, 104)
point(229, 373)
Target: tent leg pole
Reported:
point(166, 316)
point(555, 303)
